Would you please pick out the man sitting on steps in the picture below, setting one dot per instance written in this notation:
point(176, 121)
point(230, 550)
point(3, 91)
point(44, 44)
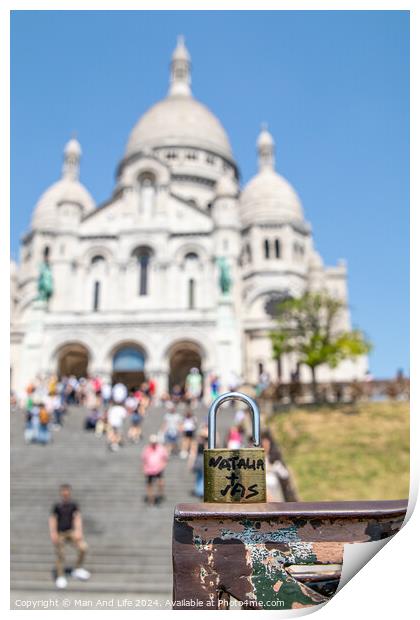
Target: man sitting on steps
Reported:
point(65, 525)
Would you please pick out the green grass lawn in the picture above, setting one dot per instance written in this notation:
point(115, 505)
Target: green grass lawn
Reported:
point(337, 454)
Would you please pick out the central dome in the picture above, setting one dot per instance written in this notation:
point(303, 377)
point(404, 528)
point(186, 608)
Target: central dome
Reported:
point(179, 119)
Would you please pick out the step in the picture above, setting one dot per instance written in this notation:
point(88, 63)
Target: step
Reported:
point(106, 587)
point(97, 577)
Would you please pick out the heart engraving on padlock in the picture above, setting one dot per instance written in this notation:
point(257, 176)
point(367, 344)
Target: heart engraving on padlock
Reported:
point(234, 475)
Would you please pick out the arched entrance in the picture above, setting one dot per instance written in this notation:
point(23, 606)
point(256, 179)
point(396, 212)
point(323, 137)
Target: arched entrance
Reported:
point(73, 359)
point(183, 356)
point(128, 364)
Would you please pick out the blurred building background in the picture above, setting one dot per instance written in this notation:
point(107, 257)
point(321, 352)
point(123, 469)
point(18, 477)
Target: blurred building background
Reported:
point(180, 268)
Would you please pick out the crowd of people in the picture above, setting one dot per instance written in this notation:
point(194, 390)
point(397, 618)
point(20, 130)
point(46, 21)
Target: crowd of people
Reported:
point(44, 407)
point(117, 413)
point(113, 407)
point(48, 399)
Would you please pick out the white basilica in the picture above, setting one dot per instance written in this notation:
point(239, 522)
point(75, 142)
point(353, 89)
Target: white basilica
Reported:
point(179, 268)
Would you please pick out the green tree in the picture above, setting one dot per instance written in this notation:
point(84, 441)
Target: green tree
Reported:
point(308, 326)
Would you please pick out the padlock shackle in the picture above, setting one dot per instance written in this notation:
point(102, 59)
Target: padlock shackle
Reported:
point(252, 405)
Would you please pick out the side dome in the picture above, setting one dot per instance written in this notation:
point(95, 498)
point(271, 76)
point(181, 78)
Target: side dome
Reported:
point(67, 189)
point(268, 197)
point(179, 119)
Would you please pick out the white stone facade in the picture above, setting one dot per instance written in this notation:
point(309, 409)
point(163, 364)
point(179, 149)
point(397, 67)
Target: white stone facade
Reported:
point(141, 270)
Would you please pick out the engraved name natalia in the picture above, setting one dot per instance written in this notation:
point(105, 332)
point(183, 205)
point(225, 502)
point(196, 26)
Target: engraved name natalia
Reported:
point(232, 463)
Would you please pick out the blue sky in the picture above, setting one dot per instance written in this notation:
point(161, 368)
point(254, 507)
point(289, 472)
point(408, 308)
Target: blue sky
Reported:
point(333, 86)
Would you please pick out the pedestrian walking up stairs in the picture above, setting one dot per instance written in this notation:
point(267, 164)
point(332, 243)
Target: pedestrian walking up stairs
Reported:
point(129, 542)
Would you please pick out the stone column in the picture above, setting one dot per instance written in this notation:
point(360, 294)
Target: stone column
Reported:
point(32, 345)
point(228, 343)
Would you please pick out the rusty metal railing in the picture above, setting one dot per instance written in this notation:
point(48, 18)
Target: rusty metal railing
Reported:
point(270, 556)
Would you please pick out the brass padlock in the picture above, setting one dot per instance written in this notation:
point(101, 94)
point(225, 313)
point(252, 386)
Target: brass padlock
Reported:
point(234, 475)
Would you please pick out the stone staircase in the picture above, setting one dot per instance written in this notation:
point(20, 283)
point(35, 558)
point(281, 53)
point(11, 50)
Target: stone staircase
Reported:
point(129, 542)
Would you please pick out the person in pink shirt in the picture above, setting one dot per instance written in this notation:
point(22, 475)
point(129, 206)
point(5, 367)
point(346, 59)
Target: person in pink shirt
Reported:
point(155, 459)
